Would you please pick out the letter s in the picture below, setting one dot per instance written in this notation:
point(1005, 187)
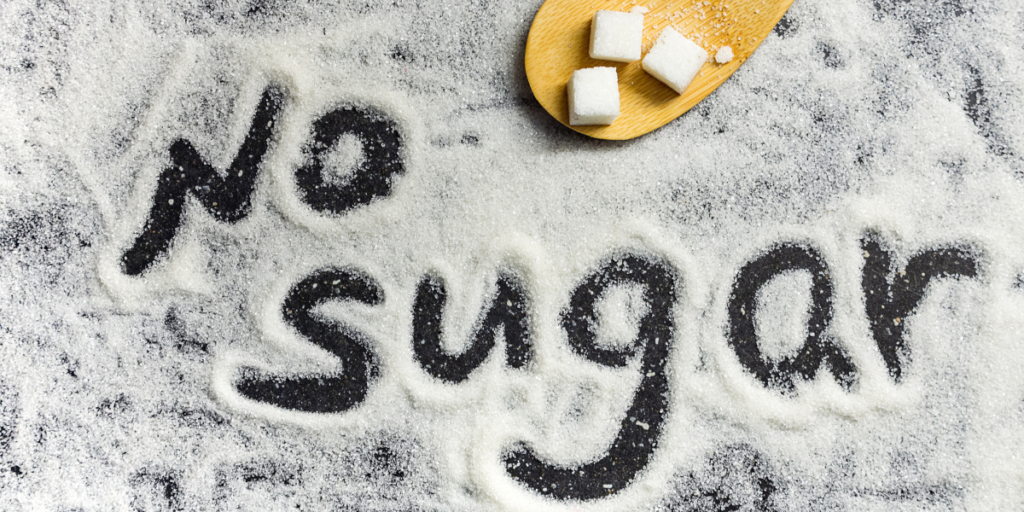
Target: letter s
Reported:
point(332, 393)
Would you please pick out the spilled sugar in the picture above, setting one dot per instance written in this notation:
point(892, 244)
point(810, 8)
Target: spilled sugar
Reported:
point(117, 392)
point(343, 159)
point(619, 313)
point(783, 310)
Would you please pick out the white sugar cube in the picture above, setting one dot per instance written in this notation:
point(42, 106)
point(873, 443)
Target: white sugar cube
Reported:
point(675, 60)
point(724, 55)
point(593, 96)
point(616, 36)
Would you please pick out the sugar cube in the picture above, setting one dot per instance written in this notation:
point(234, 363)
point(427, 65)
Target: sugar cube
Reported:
point(593, 96)
point(724, 55)
point(616, 36)
point(675, 60)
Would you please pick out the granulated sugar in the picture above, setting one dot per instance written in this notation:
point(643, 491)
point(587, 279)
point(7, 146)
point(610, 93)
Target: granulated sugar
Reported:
point(264, 256)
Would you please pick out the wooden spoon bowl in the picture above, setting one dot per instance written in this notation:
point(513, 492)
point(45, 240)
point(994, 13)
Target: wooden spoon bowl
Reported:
point(559, 43)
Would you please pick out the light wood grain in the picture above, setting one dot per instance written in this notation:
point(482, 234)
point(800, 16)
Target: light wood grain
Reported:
point(559, 43)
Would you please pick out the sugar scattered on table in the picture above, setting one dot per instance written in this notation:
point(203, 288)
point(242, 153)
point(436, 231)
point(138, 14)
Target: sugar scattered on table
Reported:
point(107, 399)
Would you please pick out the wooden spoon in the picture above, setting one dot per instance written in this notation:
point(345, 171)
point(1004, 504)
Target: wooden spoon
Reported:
point(559, 43)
